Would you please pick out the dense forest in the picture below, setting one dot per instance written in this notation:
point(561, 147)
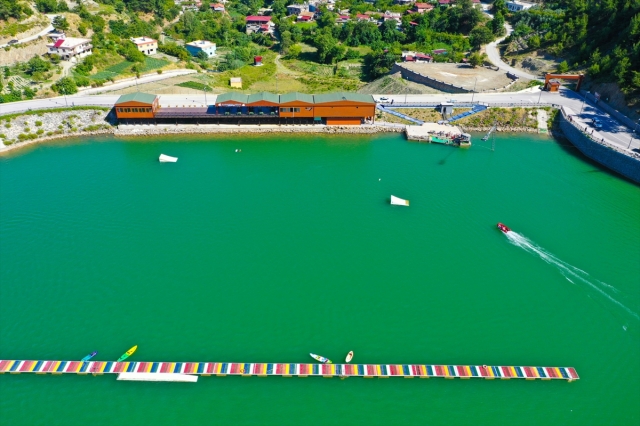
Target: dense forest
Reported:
point(601, 36)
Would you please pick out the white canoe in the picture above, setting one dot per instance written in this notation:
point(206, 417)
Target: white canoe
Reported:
point(349, 357)
point(166, 159)
point(399, 201)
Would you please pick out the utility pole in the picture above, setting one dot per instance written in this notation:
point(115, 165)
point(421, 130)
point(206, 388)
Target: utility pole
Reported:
point(64, 93)
point(474, 90)
point(584, 100)
point(541, 90)
point(204, 89)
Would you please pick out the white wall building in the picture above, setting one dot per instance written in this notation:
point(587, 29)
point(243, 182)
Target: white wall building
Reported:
point(517, 6)
point(146, 45)
point(69, 47)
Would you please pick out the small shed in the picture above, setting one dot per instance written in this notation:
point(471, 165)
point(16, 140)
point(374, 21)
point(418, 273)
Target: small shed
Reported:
point(554, 85)
point(236, 82)
point(257, 61)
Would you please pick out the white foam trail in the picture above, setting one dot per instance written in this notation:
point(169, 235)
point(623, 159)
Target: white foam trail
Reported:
point(565, 269)
point(569, 279)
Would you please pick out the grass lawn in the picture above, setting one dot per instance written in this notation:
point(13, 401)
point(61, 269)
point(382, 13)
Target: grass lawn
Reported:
point(250, 74)
point(515, 117)
point(194, 85)
point(124, 68)
point(424, 114)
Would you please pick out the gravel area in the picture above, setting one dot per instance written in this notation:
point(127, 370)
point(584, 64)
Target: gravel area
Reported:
point(23, 128)
point(462, 75)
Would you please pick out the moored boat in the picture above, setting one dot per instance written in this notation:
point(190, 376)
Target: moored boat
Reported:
point(321, 358)
point(504, 228)
point(91, 355)
point(166, 159)
point(127, 354)
point(349, 357)
point(399, 201)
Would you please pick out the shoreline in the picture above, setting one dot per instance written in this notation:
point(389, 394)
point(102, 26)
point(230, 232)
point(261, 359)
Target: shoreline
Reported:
point(221, 129)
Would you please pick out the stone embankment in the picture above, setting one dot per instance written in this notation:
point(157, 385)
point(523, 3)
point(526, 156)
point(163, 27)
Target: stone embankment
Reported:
point(152, 130)
point(509, 129)
point(17, 131)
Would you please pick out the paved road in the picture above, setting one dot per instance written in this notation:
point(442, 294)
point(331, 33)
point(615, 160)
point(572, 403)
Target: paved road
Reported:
point(612, 130)
point(35, 36)
point(148, 78)
point(494, 55)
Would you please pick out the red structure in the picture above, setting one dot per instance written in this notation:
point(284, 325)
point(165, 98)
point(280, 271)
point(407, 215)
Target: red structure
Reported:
point(554, 86)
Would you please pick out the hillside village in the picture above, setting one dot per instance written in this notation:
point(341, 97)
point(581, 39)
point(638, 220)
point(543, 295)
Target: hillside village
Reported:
point(59, 47)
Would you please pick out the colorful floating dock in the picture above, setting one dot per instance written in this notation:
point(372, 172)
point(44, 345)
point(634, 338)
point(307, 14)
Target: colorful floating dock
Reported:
point(383, 371)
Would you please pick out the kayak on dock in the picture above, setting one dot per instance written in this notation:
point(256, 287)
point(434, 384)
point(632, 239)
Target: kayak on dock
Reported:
point(127, 354)
point(91, 355)
point(349, 357)
point(321, 359)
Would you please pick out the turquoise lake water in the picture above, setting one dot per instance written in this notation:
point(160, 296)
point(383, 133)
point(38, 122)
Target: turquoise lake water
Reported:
point(291, 247)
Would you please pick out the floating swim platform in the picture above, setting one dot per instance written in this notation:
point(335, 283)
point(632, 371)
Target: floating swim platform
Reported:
point(409, 371)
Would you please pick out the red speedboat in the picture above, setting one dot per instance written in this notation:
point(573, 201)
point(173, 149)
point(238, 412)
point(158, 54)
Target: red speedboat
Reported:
point(504, 228)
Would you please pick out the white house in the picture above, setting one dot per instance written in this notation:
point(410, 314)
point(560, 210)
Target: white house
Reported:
point(69, 47)
point(198, 46)
point(517, 6)
point(146, 45)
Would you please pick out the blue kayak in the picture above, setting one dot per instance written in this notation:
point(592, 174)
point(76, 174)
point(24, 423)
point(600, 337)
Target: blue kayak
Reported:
point(91, 355)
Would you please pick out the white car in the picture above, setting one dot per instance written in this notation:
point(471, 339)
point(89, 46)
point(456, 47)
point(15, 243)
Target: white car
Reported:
point(383, 100)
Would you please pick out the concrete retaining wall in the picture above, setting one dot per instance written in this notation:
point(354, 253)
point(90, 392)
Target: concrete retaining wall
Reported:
point(441, 85)
point(426, 80)
point(626, 165)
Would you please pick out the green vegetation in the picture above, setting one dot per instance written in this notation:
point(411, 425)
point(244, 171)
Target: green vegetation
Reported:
point(194, 85)
point(14, 9)
point(602, 37)
point(75, 108)
point(512, 117)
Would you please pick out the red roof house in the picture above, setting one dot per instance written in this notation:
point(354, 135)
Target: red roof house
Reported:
point(258, 19)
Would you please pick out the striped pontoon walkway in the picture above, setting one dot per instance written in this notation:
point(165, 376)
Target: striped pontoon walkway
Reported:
point(288, 370)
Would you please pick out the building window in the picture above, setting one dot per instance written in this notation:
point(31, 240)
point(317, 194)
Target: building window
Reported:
point(289, 109)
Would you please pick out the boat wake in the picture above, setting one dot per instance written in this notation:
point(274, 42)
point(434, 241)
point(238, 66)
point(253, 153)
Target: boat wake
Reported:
point(570, 272)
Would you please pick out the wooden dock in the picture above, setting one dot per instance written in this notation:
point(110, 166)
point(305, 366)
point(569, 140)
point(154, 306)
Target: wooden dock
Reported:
point(383, 371)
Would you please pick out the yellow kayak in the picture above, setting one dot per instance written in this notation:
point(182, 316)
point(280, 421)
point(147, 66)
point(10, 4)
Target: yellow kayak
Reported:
point(128, 353)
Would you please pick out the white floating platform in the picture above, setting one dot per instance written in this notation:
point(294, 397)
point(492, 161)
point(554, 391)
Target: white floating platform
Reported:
point(157, 377)
point(166, 159)
point(399, 201)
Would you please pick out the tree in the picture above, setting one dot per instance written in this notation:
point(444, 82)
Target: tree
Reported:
point(37, 64)
point(285, 41)
point(130, 52)
point(476, 59)
point(65, 86)
point(480, 35)
point(47, 6)
point(376, 64)
point(202, 55)
point(60, 23)
point(534, 42)
point(497, 24)
point(294, 51)
point(563, 67)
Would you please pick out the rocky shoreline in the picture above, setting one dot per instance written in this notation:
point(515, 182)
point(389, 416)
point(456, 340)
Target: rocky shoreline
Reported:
point(501, 129)
point(153, 130)
point(48, 126)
